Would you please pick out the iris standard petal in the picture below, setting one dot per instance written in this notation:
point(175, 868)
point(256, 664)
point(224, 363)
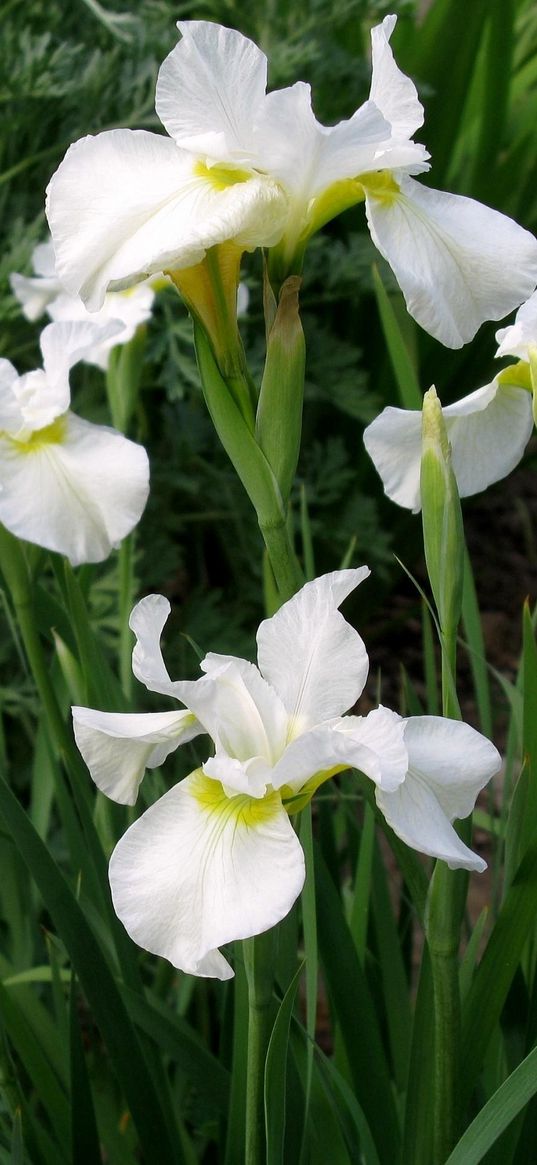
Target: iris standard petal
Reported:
point(315, 156)
point(199, 869)
point(147, 623)
point(209, 90)
point(76, 488)
point(128, 203)
point(249, 718)
point(394, 94)
point(488, 432)
point(458, 263)
point(313, 658)
point(118, 748)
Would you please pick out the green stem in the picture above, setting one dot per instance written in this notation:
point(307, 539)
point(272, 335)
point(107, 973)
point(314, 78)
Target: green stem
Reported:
point(126, 588)
point(259, 966)
point(285, 565)
point(442, 928)
point(445, 907)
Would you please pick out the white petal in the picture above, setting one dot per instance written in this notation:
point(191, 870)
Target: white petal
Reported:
point(488, 432)
point(520, 336)
point(128, 203)
point(383, 733)
point(199, 869)
point(458, 263)
point(10, 411)
point(394, 94)
point(78, 493)
point(248, 718)
point(147, 622)
point(373, 744)
point(310, 655)
point(63, 344)
point(125, 309)
point(118, 748)
point(449, 763)
point(416, 816)
point(453, 758)
point(393, 441)
point(314, 156)
point(33, 293)
point(44, 260)
point(209, 89)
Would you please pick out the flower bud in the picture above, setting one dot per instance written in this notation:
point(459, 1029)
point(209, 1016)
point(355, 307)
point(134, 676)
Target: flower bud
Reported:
point(443, 535)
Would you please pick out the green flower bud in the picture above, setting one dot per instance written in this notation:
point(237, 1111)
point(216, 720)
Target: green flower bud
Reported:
point(443, 535)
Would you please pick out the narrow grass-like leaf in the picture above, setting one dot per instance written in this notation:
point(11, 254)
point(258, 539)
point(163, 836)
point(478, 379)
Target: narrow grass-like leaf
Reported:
point(410, 394)
point(488, 992)
point(17, 1155)
point(359, 915)
point(354, 1126)
point(99, 986)
point(84, 1137)
point(38, 1067)
point(475, 643)
point(355, 1011)
point(493, 106)
point(309, 927)
point(497, 1114)
point(174, 1035)
point(418, 1131)
point(276, 1075)
point(392, 971)
point(451, 32)
point(470, 955)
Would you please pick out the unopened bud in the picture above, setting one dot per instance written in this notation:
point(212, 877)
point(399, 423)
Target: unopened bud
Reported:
point(443, 535)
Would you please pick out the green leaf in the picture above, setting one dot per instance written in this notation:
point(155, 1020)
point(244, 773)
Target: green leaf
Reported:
point(410, 393)
point(353, 1005)
point(276, 1074)
point(488, 992)
point(349, 1112)
point(38, 1067)
point(174, 1035)
point(497, 1114)
point(84, 1136)
point(98, 984)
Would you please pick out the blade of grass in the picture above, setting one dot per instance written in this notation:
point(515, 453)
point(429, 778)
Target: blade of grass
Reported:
point(355, 1011)
point(497, 1114)
point(98, 984)
point(410, 393)
point(276, 1075)
point(488, 992)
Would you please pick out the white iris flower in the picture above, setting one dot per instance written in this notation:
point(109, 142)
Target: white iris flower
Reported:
point(258, 169)
point(44, 291)
point(65, 484)
point(217, 858)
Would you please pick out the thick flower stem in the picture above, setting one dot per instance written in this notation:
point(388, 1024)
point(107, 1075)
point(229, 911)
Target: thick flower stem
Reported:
point(445, 907)
point(126, 598)
point(284, 563)
point(443, 927)
point(259, 965)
